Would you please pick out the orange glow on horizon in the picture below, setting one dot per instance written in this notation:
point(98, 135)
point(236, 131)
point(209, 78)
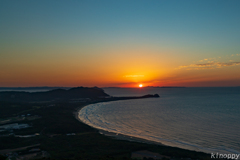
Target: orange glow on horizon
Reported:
point(140, 85)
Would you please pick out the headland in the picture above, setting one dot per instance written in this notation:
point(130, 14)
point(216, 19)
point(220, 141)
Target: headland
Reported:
point(52, 132)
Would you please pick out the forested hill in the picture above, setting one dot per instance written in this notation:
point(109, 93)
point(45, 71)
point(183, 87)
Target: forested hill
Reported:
point(53, 95)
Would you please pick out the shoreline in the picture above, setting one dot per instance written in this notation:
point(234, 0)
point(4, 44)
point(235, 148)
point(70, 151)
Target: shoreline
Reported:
point(128, 138)
point(123, 137)
point(118, 136)
point(113, 134)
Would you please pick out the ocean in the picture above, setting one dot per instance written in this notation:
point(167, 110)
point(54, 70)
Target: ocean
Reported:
point(200, 119)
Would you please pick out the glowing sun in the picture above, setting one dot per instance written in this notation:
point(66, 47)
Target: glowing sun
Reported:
point(140, 85)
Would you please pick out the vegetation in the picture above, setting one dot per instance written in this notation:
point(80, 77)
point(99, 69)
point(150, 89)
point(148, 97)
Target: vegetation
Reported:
point(57, 120)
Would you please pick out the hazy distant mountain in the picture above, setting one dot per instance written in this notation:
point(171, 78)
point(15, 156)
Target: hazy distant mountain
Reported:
point(165, 87)
point(152, 87)
point(31, 88)
point(53, 95)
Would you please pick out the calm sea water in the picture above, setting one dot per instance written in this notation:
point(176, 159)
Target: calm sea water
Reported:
point(201, 119)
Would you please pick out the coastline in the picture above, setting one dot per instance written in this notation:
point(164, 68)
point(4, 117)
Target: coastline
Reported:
point(127, 138)
point(115, 135)
point(62, 136)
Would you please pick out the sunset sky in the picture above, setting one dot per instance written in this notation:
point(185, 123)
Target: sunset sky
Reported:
point(119, 43)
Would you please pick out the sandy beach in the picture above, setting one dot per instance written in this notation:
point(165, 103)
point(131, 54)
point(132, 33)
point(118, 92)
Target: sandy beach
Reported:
point(116, 135)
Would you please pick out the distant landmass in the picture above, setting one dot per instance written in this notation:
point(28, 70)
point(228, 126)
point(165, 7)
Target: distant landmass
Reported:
point(32, 88)
point(165, 87)
point(137, 97)
point(153, 87)
point(53, 95)
point(73, 95)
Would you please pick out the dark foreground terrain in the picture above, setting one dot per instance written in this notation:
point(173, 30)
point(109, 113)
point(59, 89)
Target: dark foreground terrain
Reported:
point(46, 128)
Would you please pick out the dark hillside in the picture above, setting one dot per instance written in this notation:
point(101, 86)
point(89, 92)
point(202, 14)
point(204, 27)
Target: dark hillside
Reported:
point(53, 95)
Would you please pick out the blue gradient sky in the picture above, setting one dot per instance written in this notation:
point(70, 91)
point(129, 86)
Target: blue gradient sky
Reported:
point(91, 43)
